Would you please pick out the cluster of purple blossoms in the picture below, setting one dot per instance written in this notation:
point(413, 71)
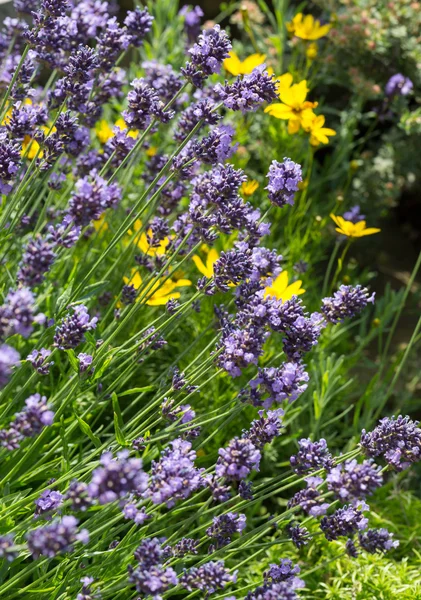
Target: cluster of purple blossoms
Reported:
point(233, 266)
point(238, 459)
point(279, 582)
point(224, 526)
point(192, 17)
point(116, 478)
point(47, 502)
point(283, 181)
point(143, 105)
point(10, 161)
point(135, 514)
point(55, 538)
point(248, 93)
point(37, 358)
point(220, 492)
point(7, 542)
point(288, 381)
point(245, 490)
point(377, 540)
point(27, 423)
point(17, 314)
point(66, 234)
point(310, 499)
point(71, 331)
point(207, 55)
point(345, 521)
point(354, 214)
point(311, 456)
point(182, 548)
point(208, 577)
point(138, 23)
point(9, 357)
point(37, 260)
point(351, 480)
point(163, 79)
point(397, 440)
point(150, 577)
point(263, 430)
point(86, 593)
point(85, 361)
point(299, 536)
point(92, 197)
point(174, 476)
point(77, 493)
point(398, 85)
point(347, 302)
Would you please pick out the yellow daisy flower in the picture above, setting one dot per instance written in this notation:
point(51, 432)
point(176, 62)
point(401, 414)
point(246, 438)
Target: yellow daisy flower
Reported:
point(235, 66)
point(318, 133)
point(206, 268)
point(353, 230)
point(142, 241)
point(281, 290)
point(307, 28)
point(294, 107)
point(249, 187)
point(161, 292)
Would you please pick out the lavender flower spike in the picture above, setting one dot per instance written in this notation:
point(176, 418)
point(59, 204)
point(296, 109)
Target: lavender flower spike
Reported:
point(249, 92)
point(71, 332)
point(238, 459)
point(58, 537)
point(347, 302)
point(283, 181)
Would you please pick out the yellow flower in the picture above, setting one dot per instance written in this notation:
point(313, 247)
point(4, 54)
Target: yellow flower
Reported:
point(318, 133)
point(34, 147)
point(235, 66)
point(281, 290)
point(353, 230)
point(122, 125)
point(161, 291)
point(103, 131)
point(206, 268)
point(307, 28)
point(249, 187)
point(311, 51)
point(142, 242)
point(100, 224)
point(151, 151)
point(294, 107)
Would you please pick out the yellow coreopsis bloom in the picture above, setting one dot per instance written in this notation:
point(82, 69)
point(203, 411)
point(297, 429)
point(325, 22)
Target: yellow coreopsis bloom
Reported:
point(142, 241)
point(249, 187)
point(353, 230)
point(235, 66)
point(318, 133)
point(307, 28)
point(281, 290)
point(206, 268)
point(161, 291)
point(293, 107)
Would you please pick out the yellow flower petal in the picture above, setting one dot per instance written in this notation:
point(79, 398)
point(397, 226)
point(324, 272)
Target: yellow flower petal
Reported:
point(232, 64)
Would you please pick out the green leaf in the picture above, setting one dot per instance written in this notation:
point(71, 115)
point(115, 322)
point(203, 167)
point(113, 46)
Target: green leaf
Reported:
point(100, 370)
point(64, 299)
point(119, 435)
point(138, 390)
point(93, 288)
point(88, 431)
point(73, 360)
point(117, 411)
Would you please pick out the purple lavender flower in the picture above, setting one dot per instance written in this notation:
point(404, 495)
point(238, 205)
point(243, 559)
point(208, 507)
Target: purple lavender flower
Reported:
point(164, 80)
point(71, 332)
point(174, 476)
point(85, 361)
point(272, 591)
point(285, 571)
point(241, 347)
point(27, 423)
point(111, 42)
point(214, 148)
point(208, 577)
point(351, 480)
point(207, 55)
point(300, 536)
point(10, 161)
point(224, 526)
point(86, 593)
point(311, 456)
point(128, 294)
point(345, 521)
point(377, 540)
point(248, 93)
point(7, 541)
point(182, 548)
point(149, 552)
point(9, 357)
point(220, 492)
point(301, 335)
point(92, 197)
point(152, 581)
point(192, 17)
point(398, 440)
point(351, 549)
point(144, 104)
point(133, 513)
point(280, 582)
point(398, 85)
point(58, 537)
point(283, 181)
point(116, 478)
point(309, 499)
point(37, 260)
point(138, 23)
point(77, 493)
point(233, 266)
point(47, 502)
point(237, 460)
point(347, 302)
point(245, 490)
point(288, 381)
point(354, 214)
point(66, 234)
point(266, 428)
